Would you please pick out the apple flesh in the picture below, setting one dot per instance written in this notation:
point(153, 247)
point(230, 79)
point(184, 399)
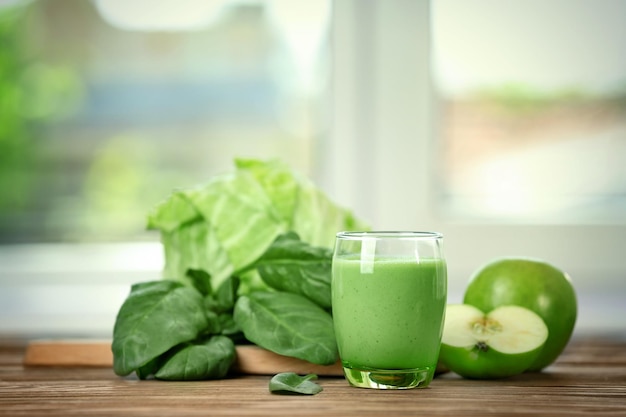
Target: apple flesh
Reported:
point(502, 343)
point(533, 284)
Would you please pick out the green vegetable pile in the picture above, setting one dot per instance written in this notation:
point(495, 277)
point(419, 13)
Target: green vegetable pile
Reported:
point(247, 260)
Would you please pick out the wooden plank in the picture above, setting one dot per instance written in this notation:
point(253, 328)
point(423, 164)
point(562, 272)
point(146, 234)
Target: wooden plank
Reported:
point(580, 383)
point(251, 360)
point(97, 391)
point(91, 353)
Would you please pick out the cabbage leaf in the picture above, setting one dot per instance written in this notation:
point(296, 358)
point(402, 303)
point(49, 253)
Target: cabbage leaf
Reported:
point(225, 225)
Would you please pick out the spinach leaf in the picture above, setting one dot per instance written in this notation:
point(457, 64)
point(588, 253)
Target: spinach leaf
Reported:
point(220, 307)
point(210, 359)
point(226, 295)
point(213, 322)
point(228, 327)
point(155, 317)
point(201, 280)
point(287, 324)
point(294, 266)
point(292, 383)
point(143, 372)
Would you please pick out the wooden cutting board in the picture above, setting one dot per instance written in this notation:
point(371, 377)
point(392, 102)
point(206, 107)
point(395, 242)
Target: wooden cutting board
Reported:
point(251, 359)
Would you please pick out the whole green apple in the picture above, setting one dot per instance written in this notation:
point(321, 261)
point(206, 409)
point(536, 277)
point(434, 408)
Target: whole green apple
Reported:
point(533, 284)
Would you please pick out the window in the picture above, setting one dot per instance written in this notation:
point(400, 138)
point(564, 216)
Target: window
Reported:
point(533, 110)
point(390, 157)
point(106, 106)
point(109, 105)
point(112, 112)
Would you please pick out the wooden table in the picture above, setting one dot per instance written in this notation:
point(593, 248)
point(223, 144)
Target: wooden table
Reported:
point(589, 379)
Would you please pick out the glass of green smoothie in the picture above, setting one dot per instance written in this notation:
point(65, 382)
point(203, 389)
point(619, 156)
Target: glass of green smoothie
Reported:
point(388, 301)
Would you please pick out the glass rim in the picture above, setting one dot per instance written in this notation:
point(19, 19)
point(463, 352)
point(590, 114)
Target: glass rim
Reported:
point(388, 234)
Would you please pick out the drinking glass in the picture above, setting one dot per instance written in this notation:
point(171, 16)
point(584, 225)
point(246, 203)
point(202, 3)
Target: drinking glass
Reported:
point(388, 301)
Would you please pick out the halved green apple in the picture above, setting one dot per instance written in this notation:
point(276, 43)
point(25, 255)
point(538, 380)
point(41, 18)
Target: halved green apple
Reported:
point(502, 343)
point(536, 285)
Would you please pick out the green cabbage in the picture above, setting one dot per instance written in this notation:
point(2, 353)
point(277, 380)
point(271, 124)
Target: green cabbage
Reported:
point(224, 226)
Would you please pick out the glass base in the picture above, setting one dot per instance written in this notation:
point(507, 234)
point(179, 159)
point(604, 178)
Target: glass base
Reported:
point(388, 379)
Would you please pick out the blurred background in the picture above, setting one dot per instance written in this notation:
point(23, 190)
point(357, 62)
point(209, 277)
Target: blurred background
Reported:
point(501, 124)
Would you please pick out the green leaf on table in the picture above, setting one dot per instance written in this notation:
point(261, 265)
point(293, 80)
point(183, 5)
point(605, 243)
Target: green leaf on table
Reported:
point(294, 266)
point(292, 383)
point(155, 317)
point(287, 324)
point(209, 359)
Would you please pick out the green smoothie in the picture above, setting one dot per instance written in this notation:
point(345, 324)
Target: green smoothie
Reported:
point(388, 313)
